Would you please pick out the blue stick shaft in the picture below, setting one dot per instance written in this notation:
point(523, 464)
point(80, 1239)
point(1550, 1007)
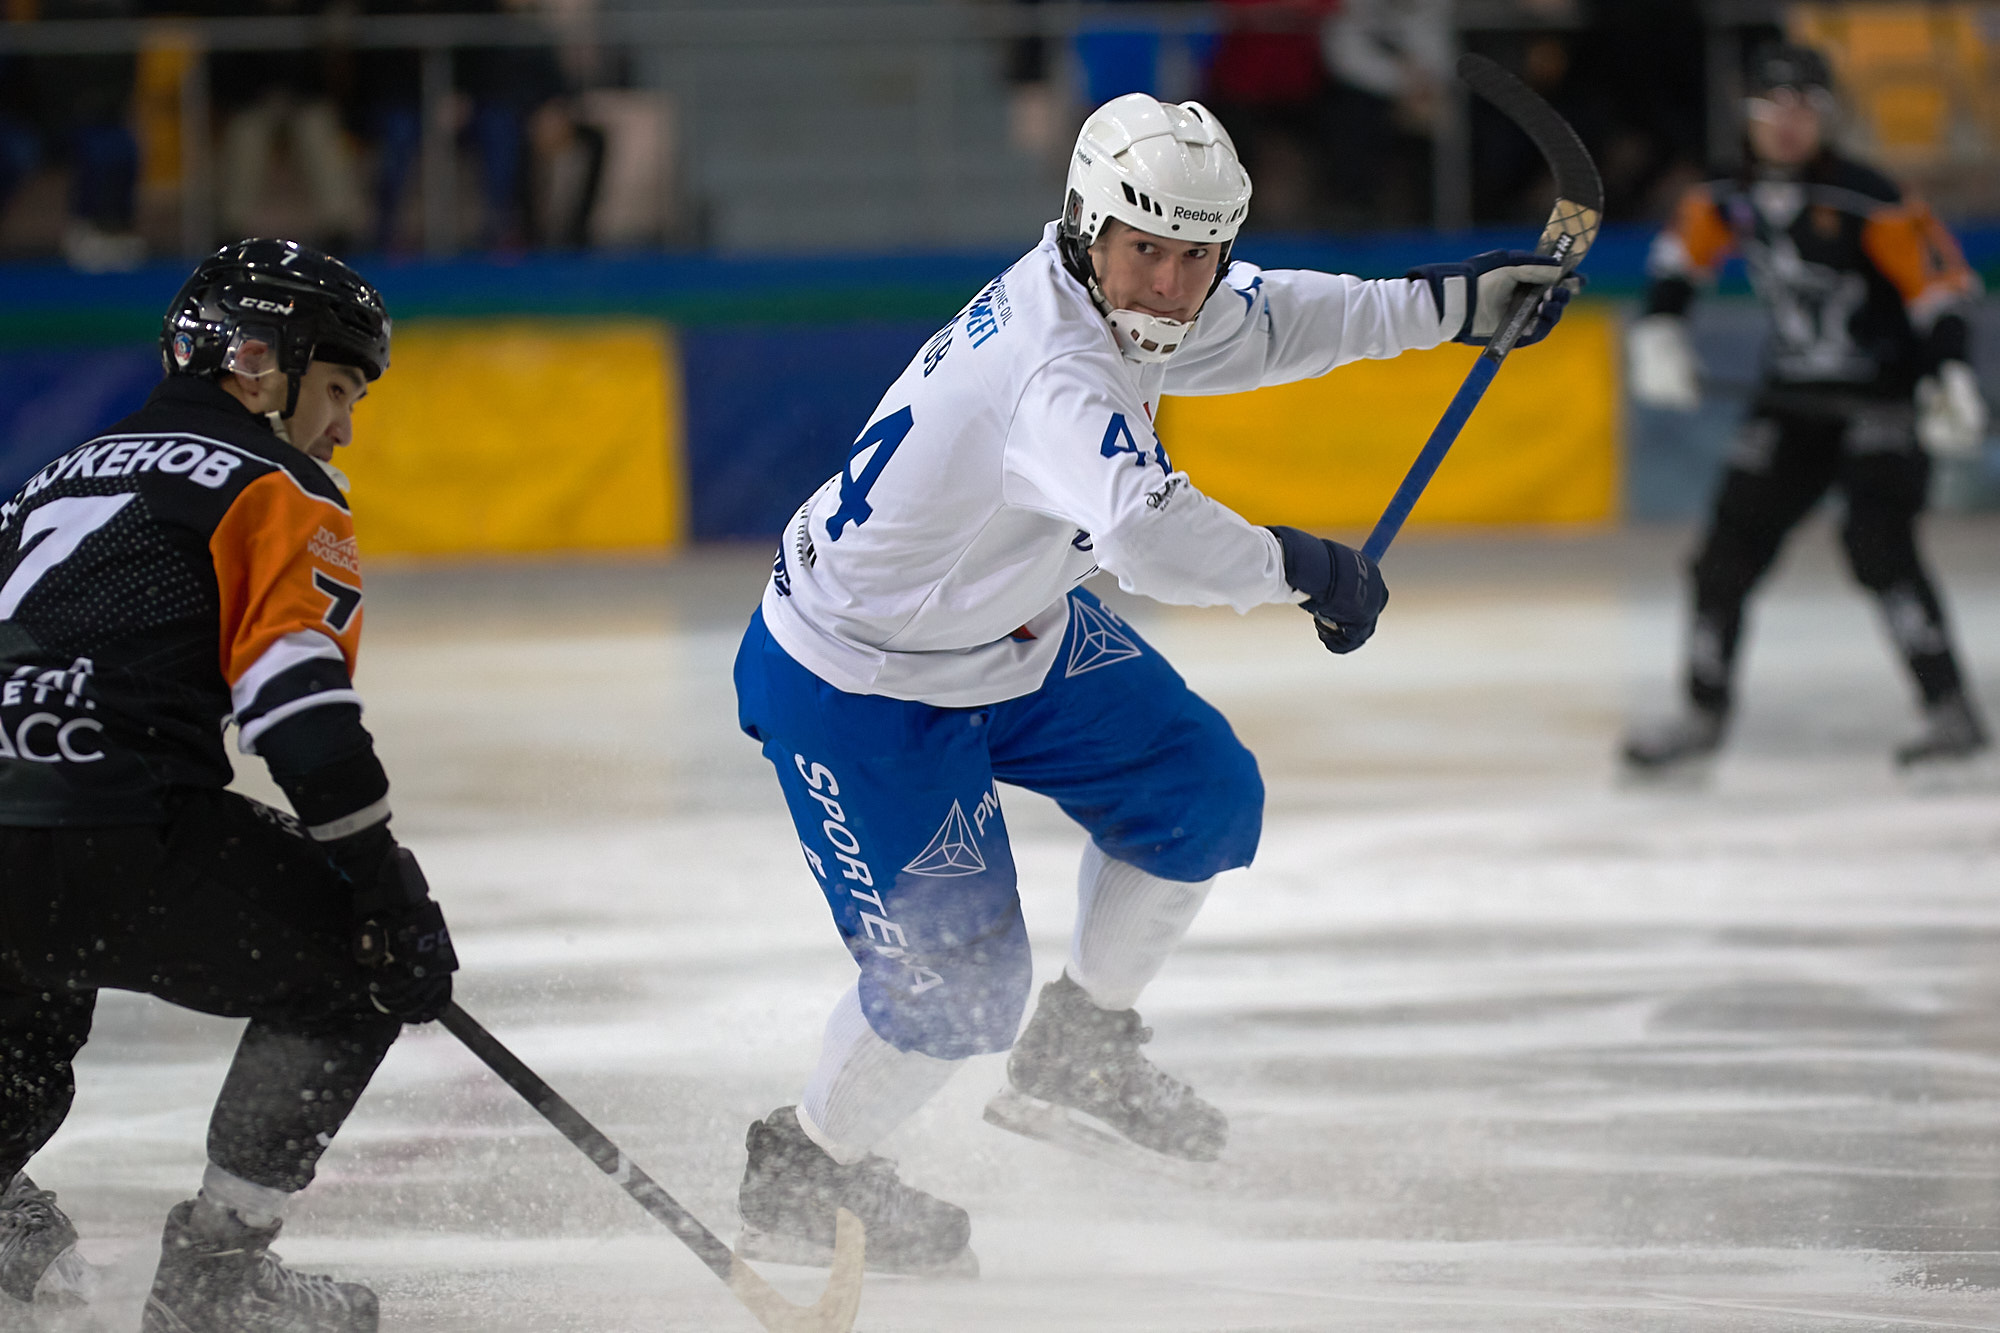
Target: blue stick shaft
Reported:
point(1434, 450)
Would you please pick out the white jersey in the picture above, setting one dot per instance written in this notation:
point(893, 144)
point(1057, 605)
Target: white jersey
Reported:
point(1016, 456)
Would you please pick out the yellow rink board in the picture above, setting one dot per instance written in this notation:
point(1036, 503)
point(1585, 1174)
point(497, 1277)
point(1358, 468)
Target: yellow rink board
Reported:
point(521, 436)
point(1328, 453)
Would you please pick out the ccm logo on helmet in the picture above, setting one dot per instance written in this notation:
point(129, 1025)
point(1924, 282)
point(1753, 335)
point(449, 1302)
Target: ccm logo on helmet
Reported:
point(270, 307)
point(1197, 214)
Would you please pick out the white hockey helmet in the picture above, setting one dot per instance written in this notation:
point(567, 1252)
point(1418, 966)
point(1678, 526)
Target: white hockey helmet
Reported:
point(1165, 169)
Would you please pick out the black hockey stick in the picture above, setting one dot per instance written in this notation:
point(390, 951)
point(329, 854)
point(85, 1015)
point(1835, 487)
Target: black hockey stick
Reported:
point(1571, 229)
point(835, 1310)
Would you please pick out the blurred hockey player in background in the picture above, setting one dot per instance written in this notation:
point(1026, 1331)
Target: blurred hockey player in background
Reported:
point(1866, 376)
point(210, 519)
point(925, 635)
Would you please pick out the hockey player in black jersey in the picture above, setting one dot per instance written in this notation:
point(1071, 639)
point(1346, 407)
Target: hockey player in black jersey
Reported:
point(193, 566)
point(1866, 372)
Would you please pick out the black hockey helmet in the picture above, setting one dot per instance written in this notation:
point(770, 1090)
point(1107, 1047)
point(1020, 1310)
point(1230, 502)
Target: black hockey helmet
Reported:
point(300, 302)
point(1788, 65)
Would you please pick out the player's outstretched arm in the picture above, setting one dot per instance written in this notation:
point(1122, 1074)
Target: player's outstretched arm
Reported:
point(1660, 363)
point(1923, 261)
point(1283, 325)
point(1341, 588)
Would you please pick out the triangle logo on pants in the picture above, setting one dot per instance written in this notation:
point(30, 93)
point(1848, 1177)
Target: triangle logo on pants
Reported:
point(953, 851)
point(1100, 640)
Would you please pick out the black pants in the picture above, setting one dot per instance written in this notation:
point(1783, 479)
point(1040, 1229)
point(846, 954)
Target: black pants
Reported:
point(226, 909)
point(1785, 461)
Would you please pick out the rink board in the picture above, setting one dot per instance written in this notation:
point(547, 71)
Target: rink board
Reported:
point(1328, 453)
point(508, 437)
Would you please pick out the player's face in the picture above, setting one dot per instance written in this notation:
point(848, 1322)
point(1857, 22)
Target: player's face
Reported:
point(1152, 274)
point(1786, 127)
point(324, 420)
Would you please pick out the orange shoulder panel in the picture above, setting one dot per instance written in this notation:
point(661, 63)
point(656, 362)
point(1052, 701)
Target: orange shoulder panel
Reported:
point(1702, 229)
point(1915, 252)
point(285, 561)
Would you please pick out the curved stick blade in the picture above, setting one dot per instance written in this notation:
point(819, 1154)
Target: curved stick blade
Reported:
point(1579, 206)
point(835, 1310)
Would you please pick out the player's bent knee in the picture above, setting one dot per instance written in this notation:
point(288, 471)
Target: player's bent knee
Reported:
point(1880, 555)
point(956, 1002)
point(1209, 822)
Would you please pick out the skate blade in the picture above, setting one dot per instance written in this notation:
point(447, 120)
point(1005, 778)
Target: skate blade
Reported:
point(768, 1247)
point(1693, 774)
point(1087, 1136)
point(1978, 772)
point(69, 1282)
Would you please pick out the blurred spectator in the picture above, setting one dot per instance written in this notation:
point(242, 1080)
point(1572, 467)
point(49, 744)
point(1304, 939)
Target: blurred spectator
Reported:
point(567, 156)
point(82, 104)
point(1035, 112)
point(509, 87)
point(264, 97)
point(388, 94)
point(1268, 84)
point(514, 104)
point(1391, 61)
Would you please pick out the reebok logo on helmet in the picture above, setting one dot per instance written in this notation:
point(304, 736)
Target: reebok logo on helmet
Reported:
point(1197, 214)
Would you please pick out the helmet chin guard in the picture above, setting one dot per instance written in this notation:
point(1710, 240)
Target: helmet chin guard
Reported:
point(1146, 338)
point(1167, 170)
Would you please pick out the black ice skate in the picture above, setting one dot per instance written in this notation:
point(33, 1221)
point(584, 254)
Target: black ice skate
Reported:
point(1952, 731)
point(792, 1189)
point(1077, 1078)
point(37, 1244)
point(1678, 745)
point(232, 1283)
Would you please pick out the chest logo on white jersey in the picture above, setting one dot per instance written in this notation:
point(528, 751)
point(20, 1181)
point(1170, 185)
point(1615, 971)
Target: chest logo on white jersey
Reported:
point(1101, 639)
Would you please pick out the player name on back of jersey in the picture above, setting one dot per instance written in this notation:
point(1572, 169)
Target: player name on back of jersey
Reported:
point(204, 462)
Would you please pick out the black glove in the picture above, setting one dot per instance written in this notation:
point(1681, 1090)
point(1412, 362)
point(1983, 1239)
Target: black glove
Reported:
point(1490, 281)
point(1344, 590)
point(399, 933)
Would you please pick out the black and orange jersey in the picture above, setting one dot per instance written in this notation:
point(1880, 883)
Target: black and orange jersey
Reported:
point(185, 568)
point(1864, 284)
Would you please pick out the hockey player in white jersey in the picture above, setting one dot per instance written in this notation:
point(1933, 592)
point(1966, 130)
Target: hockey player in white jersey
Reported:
point(925, 636)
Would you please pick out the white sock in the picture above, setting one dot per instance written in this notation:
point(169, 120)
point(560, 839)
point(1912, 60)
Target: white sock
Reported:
point(254, 1205)
point(1127, 922)
point(864, 1087)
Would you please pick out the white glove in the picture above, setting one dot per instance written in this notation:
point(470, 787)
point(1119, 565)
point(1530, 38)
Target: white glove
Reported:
point(1951, 413)
point(1660, 366)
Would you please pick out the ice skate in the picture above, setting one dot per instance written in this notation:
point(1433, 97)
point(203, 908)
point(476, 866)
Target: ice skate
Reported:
point(226, 1280)
point(792, 1188)
point(38, 1258)
point(1678, 747)
point(1952, 734)
point(1076, 1078)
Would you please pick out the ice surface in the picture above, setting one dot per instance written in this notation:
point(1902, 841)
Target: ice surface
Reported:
point(1506, 1046)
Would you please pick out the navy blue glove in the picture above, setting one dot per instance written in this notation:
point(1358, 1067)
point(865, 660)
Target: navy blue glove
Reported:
point(1485, 284)
point(1344, 590)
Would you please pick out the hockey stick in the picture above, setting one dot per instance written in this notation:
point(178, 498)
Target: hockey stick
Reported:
point(835, 1310)
point(1571, 229)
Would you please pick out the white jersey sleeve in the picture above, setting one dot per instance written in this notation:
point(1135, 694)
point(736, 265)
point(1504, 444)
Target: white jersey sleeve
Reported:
point(1016, 455)
point(1273, 327)
point(1082, 447)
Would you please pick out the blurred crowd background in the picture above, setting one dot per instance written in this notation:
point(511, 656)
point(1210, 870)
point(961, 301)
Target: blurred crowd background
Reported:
point(131, 128)
point(683, 244)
